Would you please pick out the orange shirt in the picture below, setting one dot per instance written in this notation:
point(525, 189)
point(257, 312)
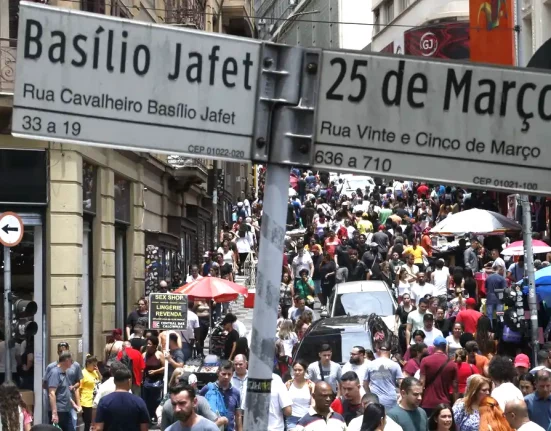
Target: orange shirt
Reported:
point(426, 243)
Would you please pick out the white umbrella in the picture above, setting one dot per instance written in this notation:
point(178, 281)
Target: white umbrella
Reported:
point(475, 221)
point(517, 248)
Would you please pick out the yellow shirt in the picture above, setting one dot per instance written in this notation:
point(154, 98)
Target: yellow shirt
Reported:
point(417, 253)
point(364, 226)
point(87, 385)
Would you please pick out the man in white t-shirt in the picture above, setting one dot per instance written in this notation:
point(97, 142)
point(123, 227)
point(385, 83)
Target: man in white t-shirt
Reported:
point(190, 334)
point(421, 288)
point(430, 331)
point(502, 372)
point(281, 405)
point(415, 319)
point(357, 362)
point(302, 260)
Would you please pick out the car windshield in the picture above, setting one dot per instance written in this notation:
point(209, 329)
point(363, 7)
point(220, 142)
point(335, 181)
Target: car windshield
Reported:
point(363, 303)
point(341, 340)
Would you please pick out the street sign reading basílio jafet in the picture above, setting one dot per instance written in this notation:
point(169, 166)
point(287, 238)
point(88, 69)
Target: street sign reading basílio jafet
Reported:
point(452, 122)
point(103, 80)
point(167, 311)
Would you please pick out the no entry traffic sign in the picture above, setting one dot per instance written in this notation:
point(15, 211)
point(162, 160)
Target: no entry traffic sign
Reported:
point(11, 229)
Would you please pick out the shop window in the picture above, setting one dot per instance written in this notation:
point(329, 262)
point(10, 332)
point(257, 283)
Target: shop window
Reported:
point(122, 200)
point(89, 183)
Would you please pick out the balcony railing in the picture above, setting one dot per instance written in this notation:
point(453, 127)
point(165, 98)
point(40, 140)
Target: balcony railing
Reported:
point(8, 48)
point(180, 162)
point(186, 12)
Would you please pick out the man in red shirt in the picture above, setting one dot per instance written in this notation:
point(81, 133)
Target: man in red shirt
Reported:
point(469, 317)
point(438, 375)
point(423, 191)
point(138, 366)
point(350, 404)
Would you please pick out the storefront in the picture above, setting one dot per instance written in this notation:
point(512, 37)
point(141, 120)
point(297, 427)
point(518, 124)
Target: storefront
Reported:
point(23, 190)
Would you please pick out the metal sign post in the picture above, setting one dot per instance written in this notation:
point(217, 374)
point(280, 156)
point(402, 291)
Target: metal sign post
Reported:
point(7, 312)
point(529, 274)
point(11, 234)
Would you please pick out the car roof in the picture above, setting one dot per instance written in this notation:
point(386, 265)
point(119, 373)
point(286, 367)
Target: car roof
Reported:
point(361, 286)
point(340, 322)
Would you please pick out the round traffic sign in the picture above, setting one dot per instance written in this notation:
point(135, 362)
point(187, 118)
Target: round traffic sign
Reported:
point(11, 229)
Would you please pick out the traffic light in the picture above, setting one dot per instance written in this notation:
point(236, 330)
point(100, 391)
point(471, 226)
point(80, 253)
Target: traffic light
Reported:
point(23, 325)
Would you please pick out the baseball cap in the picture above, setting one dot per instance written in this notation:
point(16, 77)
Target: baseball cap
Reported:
point(470, 301)
point(522, 360)
point(439, 341)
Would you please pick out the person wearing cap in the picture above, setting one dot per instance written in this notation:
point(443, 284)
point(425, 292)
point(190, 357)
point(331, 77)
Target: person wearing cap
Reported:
point(382, 376)
point(495, 286)
point(469, 317)
point(470, 255)
point(522, 364)
point(438, 374)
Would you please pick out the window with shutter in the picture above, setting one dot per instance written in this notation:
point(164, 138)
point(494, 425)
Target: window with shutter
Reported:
point(95, 6)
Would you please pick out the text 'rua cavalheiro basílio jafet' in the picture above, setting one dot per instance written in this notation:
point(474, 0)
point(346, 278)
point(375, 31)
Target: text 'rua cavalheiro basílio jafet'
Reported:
point(116, 52)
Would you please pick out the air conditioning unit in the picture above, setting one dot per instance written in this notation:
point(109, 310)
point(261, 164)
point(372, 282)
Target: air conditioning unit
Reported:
point(262, 21)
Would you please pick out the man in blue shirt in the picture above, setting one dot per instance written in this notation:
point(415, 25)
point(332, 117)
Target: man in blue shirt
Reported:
point(59, 394)
point(231, 396)
point(121, 410)
point(539, 402)
point(495, 284)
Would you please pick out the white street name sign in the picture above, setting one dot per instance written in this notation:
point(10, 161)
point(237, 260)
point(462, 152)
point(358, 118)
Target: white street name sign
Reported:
point(11, 229)
point(447, 122)
point(99, 80)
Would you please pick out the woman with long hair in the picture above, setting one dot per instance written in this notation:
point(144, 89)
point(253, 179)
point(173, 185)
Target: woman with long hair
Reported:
point(374, 418)
point(464, 371)
point(491, 416)
point(453, 339)
point(14, 415)
point(152, 386)
point(403, 284)
point(466, 410)
point(328, 271)
point(484, 337)
point(300, 389)
point(113, 346)
point(286, 294)
point(441, 419)
point(91, 378)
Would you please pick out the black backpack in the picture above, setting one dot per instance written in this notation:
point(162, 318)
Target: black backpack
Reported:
point(125, 360)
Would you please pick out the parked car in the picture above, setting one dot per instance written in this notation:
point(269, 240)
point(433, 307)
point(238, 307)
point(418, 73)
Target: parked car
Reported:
point(341, 333)
point(353, 183)
point(359, 298)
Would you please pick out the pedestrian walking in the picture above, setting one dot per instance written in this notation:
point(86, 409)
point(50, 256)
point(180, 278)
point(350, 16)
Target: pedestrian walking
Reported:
point(59, 394)
point(152, 386)
point(121, 410)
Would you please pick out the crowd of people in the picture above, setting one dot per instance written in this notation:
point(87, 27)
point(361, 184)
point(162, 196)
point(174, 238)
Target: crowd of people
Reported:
point(449, 362)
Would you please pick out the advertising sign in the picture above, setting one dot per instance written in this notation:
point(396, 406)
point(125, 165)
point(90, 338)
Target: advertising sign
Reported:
point(102, 80)
point(167, 311)
point(492, 34)
point(447, 41)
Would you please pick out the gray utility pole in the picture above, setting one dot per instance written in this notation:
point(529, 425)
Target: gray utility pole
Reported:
point(7, 312)
point(215, 228)
point(284, 135)
point(529, 273)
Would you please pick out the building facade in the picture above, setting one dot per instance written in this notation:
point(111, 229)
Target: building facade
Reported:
point(102, 226)
point(315, 23)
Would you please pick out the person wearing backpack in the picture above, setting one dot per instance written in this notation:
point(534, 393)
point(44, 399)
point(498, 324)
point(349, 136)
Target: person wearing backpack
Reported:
point(133, 360)
point(224, 399)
